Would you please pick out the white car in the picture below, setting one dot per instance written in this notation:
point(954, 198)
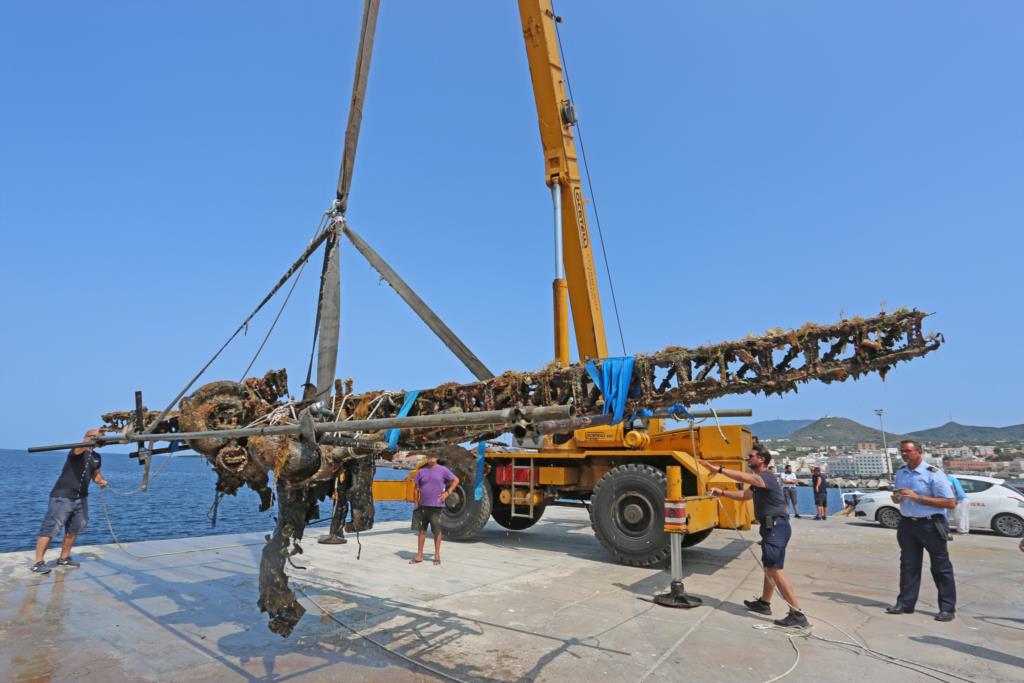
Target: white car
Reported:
point(994, 504)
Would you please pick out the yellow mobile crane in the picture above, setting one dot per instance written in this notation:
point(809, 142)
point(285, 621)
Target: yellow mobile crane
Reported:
point(617, 471)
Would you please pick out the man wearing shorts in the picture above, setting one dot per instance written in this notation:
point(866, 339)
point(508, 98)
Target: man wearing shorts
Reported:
point(434, 483)
point(820, 487)
point(773, 518)
point(68, 509)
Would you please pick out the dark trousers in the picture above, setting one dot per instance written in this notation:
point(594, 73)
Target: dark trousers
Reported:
point(916, 536)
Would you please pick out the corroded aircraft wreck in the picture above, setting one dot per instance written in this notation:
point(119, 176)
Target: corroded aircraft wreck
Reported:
point(252, 428)
point(307, 460)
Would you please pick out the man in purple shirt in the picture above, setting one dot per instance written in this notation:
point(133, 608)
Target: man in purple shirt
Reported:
point(434, 483)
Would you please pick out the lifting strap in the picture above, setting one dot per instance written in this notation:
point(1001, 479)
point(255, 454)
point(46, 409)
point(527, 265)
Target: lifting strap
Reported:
point(328, 308)
point(613, 377)
point(391, 436)
point(478, 487)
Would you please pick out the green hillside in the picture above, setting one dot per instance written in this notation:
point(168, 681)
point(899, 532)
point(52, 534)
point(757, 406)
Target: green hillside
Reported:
point(776, 429)
point(953, 432)
point(839, 431)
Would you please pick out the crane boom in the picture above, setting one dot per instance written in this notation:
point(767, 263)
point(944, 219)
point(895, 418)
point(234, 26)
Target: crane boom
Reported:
point(556, 117)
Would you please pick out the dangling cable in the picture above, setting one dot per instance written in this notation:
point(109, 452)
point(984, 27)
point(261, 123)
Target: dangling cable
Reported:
point(590, 189)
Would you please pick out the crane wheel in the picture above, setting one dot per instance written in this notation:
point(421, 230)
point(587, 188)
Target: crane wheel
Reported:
point(462, 517)
point(502, 514)
point(627, 512)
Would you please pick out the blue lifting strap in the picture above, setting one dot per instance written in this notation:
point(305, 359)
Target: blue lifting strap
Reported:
point(392, 434)
point(478, 490)
point(613, 377)
point(678, 410)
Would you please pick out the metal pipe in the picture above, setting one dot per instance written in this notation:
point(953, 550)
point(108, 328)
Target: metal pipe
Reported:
point(676, 557)
point(584, 421)
point(725, 412)
point(507, 416)
point(556, 200)
point(572, 424)
point(537, 413)
point(356, 444)
point(419, 307)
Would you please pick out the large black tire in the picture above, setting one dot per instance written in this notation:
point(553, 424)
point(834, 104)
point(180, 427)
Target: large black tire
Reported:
point(502, 514)
point(690, 540)
point(462, 517)
point(627, 512)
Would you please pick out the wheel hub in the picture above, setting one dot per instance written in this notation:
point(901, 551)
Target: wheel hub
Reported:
point(633, 513)
point(454, 501)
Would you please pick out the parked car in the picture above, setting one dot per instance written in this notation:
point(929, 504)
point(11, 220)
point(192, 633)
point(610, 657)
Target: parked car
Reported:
point(994, 504)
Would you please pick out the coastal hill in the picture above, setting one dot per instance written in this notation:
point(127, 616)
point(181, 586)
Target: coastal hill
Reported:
point(838, 431)
point(953, 432)
point(842, 431)
point(776, 429)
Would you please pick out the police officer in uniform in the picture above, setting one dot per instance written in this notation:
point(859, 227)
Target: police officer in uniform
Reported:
point(924, 494)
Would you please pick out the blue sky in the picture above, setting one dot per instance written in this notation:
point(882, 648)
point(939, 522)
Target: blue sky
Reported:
point(756, 165)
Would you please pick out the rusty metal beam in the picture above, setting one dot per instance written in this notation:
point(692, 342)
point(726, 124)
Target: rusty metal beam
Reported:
point(419, 306)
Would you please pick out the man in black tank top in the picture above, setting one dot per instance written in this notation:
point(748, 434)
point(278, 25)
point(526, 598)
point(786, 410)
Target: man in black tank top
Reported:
point(772, 514)
point(68, 509)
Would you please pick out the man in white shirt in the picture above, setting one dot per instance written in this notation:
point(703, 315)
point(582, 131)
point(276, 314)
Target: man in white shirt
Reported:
point(788, 479)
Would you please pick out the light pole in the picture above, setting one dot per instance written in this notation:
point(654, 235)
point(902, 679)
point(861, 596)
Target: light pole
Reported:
point(885, 450)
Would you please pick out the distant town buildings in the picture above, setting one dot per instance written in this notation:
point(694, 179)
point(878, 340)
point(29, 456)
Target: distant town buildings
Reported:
point(866, 460)
point(842, 465)
point(871, 463)
point(968, 465)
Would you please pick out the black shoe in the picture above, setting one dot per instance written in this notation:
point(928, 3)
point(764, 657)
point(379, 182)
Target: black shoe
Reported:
point(40, 568)
point(67, 562)
point(759, 606)
point(797, 516)
point(794, 618)
point(945, 616)
point(896, 609)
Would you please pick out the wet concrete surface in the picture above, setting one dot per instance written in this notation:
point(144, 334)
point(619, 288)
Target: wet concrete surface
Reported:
point(540, 605)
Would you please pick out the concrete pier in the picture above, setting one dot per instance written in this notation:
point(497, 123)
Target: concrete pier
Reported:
point(541, 605)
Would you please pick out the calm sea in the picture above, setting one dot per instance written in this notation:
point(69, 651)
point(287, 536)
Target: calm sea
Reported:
point(176, 504)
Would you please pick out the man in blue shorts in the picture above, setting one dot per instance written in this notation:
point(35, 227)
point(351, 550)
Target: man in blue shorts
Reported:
point(434, 483)
point(68, 509)
point(772, 515)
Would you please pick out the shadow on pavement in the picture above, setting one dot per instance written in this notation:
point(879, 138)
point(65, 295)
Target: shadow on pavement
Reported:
point(972, 650)
point(848, 599)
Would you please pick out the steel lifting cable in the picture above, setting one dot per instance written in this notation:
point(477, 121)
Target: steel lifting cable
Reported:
point(298, 263)
point(284, 303)
point(590, 186)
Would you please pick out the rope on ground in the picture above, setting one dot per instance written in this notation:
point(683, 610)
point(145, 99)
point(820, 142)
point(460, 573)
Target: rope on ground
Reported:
point(368, 638)
point(117, 542)
point(790, 669)
point(853, 642)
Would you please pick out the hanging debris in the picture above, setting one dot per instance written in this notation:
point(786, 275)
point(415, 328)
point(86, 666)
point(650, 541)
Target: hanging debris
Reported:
point(307, 463)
